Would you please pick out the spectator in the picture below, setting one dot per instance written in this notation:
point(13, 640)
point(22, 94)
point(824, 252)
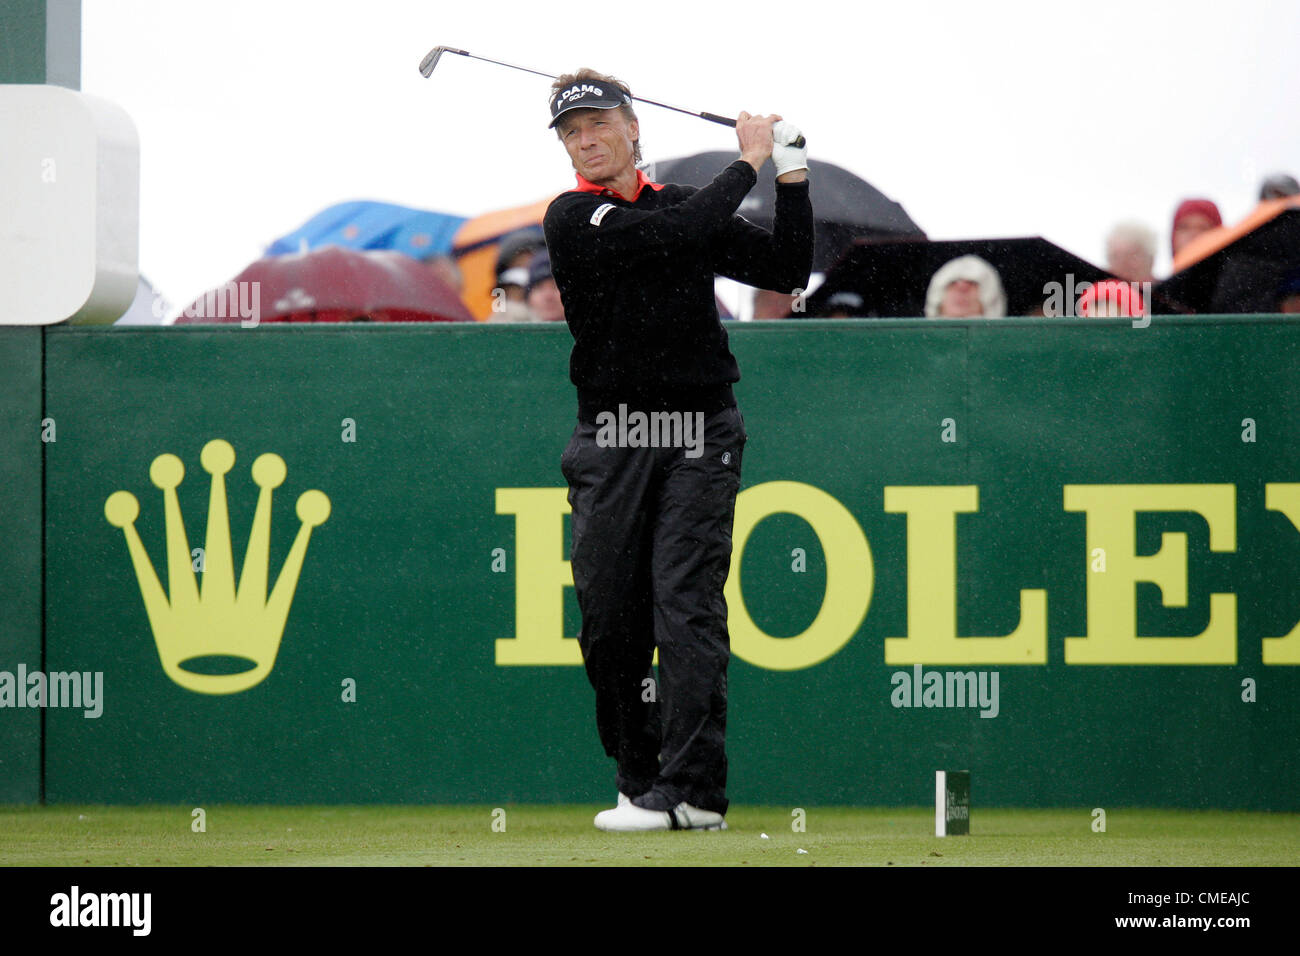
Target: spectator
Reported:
point(445, 268)
point(543, 294)
point(964, 288)
point(513, 257)
point(1288, 294)
point(844, 305)
point(1131, 252)
point(1193, 217)
point(1278, 186)
point(1111, 299)
point(770, 304)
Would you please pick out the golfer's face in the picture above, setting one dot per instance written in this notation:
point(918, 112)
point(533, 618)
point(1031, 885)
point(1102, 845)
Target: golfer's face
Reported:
point(599, 142)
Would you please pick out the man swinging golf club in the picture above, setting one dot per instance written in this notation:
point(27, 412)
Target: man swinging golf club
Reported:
point(653, 465)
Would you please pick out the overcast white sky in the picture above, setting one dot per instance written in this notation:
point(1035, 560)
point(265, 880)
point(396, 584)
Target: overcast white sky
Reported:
point(983, 119)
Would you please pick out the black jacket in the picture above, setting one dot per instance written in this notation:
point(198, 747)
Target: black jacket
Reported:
point(636, 279)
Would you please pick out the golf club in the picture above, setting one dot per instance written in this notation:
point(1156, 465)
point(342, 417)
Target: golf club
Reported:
point(431, 60)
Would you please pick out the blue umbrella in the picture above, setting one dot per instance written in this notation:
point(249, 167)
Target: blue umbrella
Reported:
point(363, 224)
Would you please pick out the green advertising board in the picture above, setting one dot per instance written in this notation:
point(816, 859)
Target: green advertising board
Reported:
point(20, 558)
point(1060, 554)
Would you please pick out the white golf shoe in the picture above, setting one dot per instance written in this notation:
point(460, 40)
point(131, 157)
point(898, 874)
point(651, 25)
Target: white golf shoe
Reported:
point(629, 818)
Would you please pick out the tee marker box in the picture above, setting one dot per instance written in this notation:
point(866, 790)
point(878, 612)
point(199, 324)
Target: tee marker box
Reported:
point(952, 803)
point(69, 207)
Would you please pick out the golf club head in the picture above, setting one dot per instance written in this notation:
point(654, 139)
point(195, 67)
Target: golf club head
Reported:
point(431, 60)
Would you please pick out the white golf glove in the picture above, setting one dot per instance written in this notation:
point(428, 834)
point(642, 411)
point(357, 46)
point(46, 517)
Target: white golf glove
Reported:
point(787, 158)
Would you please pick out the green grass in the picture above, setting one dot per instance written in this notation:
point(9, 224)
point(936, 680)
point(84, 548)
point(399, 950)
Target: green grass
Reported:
point(564, 836)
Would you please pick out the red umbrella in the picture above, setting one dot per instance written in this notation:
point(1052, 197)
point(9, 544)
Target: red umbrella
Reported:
point(331, 284)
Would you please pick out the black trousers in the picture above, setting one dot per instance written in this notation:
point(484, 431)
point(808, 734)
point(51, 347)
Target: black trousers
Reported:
point(651, 530)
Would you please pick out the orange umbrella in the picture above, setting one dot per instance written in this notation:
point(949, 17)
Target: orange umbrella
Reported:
point(475, 249)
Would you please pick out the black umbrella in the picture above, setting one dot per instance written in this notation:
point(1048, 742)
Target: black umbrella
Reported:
point(1245, 275)
point(845, 206)
point(892, 276)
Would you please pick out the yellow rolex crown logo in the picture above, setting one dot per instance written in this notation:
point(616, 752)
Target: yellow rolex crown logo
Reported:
point(225, 620)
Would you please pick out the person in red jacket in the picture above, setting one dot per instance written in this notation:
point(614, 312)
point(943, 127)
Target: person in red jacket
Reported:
point(653, 465)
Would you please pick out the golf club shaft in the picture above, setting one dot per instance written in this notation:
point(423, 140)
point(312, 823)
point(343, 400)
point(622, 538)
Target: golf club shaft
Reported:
point(431, 60)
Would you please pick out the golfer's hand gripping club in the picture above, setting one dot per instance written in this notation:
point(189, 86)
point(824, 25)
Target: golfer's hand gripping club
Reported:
point(789, 148)
point(763, 136)
point(799, 142)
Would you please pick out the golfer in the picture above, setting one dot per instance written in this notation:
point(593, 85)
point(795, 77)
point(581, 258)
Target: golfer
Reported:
point(653, 466)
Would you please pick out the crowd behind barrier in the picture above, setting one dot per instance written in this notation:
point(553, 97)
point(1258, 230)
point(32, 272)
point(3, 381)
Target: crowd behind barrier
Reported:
point(966, 286)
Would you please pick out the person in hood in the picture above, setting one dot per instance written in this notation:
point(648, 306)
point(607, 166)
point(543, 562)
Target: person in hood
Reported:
point(966, 288)
point(1193, 218)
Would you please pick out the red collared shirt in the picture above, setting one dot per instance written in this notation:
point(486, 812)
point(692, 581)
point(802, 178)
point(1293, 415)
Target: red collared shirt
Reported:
point(642, 181)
